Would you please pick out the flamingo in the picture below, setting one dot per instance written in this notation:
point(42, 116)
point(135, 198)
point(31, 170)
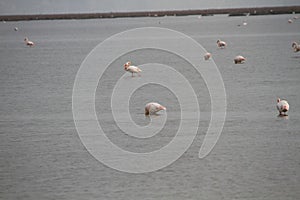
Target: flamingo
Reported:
point(221, 44)
point(153, 108)
point(133, 69)
point(282, 106)
point(290, 21)
point(239, 59)
point(28, 42)
point(207, 56)
point(296, 46)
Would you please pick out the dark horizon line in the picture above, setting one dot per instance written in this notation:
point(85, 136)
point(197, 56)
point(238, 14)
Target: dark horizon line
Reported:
point(203, 12)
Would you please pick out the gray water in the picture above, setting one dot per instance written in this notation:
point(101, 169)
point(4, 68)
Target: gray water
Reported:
point(256, 157)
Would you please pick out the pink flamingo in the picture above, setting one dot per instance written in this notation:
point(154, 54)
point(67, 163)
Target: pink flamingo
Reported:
point(207, 56)
point(296, 46)
point(132, 69)
point(153, 108)
point(239, 59)
point(282, 106)
point(221, 44)
point(28, 42)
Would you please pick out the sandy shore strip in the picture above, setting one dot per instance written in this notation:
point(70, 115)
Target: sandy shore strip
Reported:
point(203, 12)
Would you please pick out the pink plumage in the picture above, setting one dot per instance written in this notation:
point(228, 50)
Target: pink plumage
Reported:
point(282, 106)
point(28, 42)
point(132, 69)
point(153, 108)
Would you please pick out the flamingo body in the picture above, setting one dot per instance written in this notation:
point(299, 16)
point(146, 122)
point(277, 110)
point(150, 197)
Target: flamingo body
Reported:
point(153, 108)
point(296, 46)
point(221, 44)
point(28, 42)
point(132, 69)
point(282, 106)
point(207, 56)
point(239, 59)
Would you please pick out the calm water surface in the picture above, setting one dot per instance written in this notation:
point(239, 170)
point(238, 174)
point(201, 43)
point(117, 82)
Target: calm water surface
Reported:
point(256, 157)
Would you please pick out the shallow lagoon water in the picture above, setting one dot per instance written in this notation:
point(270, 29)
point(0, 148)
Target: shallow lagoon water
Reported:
point(256, 157)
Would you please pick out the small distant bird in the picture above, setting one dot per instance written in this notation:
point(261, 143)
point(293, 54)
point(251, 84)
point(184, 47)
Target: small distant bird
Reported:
point(295, 17)
point(221, 44)
point(282, 106)
point(28, 42)
point(296, 46)
point(290, 21)
point(207, 56)
point(244, 24)
point(239, 60)
point(132, 69)
point(16, 29)
point(153, 108)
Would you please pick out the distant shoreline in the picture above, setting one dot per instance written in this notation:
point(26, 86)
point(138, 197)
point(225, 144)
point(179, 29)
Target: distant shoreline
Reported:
point(203, 12)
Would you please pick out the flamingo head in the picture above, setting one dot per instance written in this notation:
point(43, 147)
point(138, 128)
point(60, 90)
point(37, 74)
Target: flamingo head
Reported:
point(278, 100)
point(127, 64)
point(25, 39)
point(162, 108)
point(218, 41)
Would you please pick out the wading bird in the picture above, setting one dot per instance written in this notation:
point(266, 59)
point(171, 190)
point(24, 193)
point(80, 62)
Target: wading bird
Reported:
point(239, 59)
point(28, 42)
point(153, 108)
point(132, 69)
point(207, 56)
point(221, 44)
point(282, 106)
point(296, 46)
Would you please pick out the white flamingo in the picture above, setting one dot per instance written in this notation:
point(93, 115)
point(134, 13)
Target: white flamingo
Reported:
point(132, 69)
point(282, 106)
point(239, 59)
point(221, 44)
point(153, 108)
point(296, 46)
point(28, 42)
point(207, 56)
